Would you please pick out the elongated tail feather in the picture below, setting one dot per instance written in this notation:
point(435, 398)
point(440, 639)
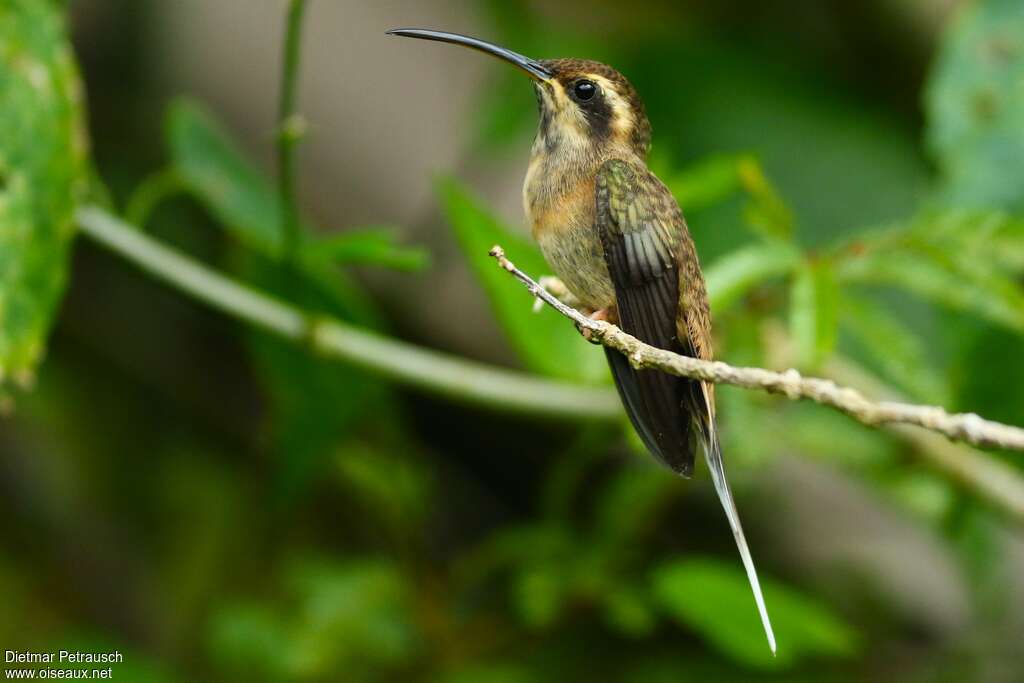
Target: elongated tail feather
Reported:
point(713, 455)
point(661, 299)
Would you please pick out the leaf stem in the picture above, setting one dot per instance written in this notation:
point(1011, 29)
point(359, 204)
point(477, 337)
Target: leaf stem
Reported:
point(150, 193)
point(440, 373)
point(291, 129)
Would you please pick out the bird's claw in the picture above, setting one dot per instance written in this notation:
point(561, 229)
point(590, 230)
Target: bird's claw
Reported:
point(599, 315)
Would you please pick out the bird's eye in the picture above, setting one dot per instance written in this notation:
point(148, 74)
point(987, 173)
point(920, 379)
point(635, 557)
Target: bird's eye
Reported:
point(584, 90)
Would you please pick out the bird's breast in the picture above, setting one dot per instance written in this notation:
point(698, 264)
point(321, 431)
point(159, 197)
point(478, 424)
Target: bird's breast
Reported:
point(561, 215)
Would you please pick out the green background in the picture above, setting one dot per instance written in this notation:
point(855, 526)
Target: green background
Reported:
point(221, 505)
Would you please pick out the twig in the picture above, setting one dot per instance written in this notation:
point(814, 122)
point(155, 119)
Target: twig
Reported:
point(966, 427)
point(988, 478)
point(291, 129)
point(440, 373)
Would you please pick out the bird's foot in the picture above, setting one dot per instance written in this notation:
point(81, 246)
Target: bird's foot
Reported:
point(603, 314)
point(556, 288)
point(553, 286)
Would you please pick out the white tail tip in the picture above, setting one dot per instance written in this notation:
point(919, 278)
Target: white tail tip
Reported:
point(714, 459)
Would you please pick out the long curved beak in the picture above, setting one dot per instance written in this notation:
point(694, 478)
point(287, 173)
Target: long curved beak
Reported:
point(532, 67)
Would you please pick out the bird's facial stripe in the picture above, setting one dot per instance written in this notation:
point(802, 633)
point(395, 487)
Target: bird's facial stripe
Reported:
point(621, 113)
point(567, 123)
point(557, 96)
point(559, 117)
point(545, 107)
point(607, 114)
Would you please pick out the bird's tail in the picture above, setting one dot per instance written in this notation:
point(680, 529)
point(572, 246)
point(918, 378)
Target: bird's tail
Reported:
point(655, 404)
point(713, 455)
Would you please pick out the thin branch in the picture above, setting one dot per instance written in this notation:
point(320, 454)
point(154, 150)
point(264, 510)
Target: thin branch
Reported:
point(433, 371)
point(966, 427)
point(988, 478)
point(291, 128)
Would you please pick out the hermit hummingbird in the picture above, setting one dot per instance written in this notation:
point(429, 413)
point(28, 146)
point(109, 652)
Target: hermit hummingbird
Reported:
point(615, 235)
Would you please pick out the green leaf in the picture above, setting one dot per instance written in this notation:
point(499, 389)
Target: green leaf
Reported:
point(1003, 246)
point(718, 177)
point(135, 664)
point(733, 275)
point(541, 591)
point(518, 547)
point(898, 351)
point(993, 238)
point(805, 428)
point(929, 495)
point(569, 475)
point(354, 613)
point(249, 640)
point(766, 213)
point(545, 342)
point(628, 610)
point(813, 320)
point(43, 174)
point(391, 484)
point(975, 106)
point(713, 597)
point(948, 281)
point(973, 260)
point(215, 171)
point(703, 184)
point(629, 504)
point(965, 260)
point(209, 164)
point(341, 622)
point(314, 403)
point(370, 247)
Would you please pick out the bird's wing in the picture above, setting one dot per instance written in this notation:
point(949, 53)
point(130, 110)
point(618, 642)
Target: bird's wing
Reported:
point(661, 300)
point(639, 226)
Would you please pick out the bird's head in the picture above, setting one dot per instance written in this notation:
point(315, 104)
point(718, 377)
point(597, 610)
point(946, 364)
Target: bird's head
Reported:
point(585, 106)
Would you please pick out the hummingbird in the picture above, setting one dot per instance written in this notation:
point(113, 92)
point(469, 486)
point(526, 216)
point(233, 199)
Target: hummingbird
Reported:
point(615, 235)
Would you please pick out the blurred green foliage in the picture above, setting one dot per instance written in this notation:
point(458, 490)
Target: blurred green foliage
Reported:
point(313, 403)
point(43, 173)
point(346, 530)
point(976, 106)
point(815, 311)
point(974, 134)
point(706, 593)
point(351, 619)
